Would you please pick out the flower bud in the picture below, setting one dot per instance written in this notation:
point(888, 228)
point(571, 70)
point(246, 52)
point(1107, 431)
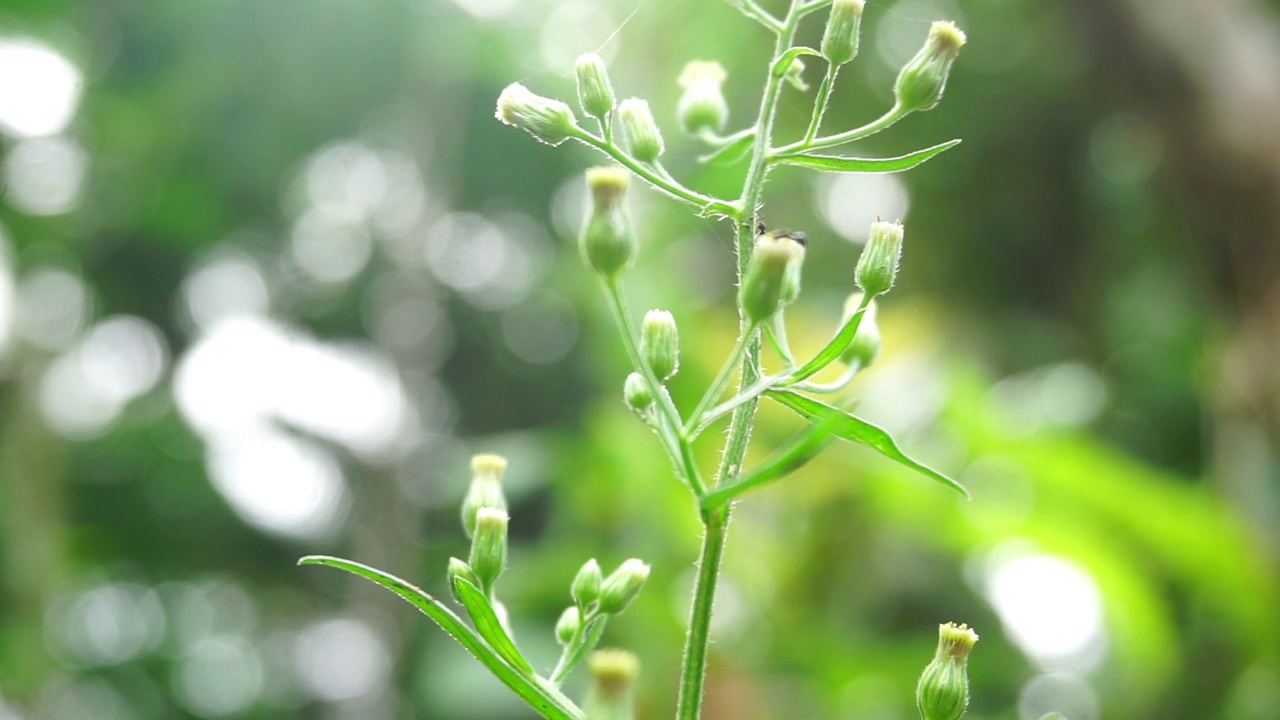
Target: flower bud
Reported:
point(613, 674)
point(485, 490)
point(795, 75)
point(641, 131)
point(459, 570)
point(568, 625)
point(840, 40)
point(878, 264)
point(621, 587)
point(702, 106)
point(595, 92)
point(489, 546)
point(586, 584)
point(550, 121)
point(924, 77)
point(776, 255)
point(864, 348)
point(608, 243)
point(637, 393)
point(1053, 716)
point(943, 690)
point(660, 343)
point(791, 279)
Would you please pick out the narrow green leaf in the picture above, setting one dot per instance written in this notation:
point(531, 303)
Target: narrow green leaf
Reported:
point(732, 151)
point(798, 451)
point(783, 63)
point(832, 351)
point(858, 430)
point(489, 626)
point(833, 163)
point(540, 696)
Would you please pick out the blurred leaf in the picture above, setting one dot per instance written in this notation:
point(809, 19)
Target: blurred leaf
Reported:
point(783, 63)
point(731, 152)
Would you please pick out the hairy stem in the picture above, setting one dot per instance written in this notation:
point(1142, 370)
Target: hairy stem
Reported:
point(694, 670)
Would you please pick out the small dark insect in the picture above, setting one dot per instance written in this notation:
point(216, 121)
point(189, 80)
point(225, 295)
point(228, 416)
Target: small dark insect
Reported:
point(795, 235)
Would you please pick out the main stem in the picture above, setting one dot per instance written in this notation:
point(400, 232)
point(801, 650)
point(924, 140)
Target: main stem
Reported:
point(716, 522)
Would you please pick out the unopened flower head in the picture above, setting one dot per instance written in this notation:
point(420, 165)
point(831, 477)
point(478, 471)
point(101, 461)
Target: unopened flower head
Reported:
point(840, 40)
point(610, 694)
point(660, 343)
point(864, 348)
point(586, 584)
point(878, 265)
point(643, 137)
point(595, 92)
point(550, 121)
point(702, 106)
point(622, 586)
point(772, 261)
point(489, 546)
point(943, 690)
point(568, 625)
point(922, 80)
point(460, 570)
point(607, 242)
point(485, 490)
point(637, 393)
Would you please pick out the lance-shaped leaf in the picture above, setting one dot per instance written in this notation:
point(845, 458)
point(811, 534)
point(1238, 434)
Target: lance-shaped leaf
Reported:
point(548, 701)
point(833, 163)
point(489, 626)
point(802, 448)
point(832, 351)
point(857, 430)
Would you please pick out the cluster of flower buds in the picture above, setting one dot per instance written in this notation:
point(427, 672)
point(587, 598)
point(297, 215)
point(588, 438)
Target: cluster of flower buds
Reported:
point(484, 518)
point(943, 690)
point(610, 695)
point(773, 274)
point(594, 595)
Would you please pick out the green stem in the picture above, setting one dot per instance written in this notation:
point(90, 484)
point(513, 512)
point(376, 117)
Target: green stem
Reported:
point(834, 386)
point(705, 204)
point(744, 396)
point(694, 669)
point(820, 102)
point(678, 447)
point(716, 389)
point(777, 329)
point(895, 114)
point(752, 9)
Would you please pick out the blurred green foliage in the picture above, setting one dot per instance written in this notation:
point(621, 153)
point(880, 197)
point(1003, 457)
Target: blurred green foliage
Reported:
point(1060, 340)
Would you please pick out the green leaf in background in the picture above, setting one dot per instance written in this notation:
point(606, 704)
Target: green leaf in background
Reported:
point(832, 351)
point(856, 430)
point(545, 699)
point(489, 626)
point(832, 163)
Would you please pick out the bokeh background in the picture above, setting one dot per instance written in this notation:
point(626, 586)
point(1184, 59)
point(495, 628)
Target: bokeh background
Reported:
point(270, 272)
